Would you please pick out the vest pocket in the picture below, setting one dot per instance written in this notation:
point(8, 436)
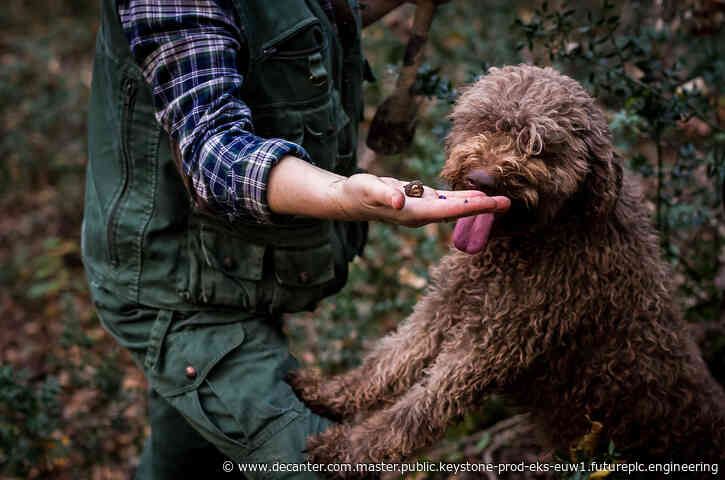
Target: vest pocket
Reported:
point(316, 129)
point(286, 125)
point(302, 277)
point(224, 269)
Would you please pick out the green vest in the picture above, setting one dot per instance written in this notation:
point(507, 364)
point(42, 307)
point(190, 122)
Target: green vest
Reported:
point(144, 238)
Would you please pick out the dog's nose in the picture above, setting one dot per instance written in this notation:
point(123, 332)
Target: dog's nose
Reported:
point(481, 180)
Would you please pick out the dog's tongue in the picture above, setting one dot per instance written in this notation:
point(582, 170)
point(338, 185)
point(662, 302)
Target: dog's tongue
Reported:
point(471, 233)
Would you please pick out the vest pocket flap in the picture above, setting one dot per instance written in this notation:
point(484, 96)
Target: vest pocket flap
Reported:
point(287, 126)
point(304, 268)
point(306, 38)
point(325, 121)
point(231, 255)
point(188, 356)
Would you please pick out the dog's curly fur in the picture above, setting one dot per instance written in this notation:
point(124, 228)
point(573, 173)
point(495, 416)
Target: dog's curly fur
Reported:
point(568, 311)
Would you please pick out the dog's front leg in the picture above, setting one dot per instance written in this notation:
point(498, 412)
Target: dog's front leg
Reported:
point(474, 361)
point(395, 364)
point(417, 419)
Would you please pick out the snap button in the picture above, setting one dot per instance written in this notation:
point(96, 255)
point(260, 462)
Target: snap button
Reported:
point(304, 277)
point(318, 73)
point(228, 263)
point(190, 372)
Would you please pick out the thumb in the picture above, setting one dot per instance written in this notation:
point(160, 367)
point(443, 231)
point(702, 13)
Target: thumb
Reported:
point(397, 201)
point(382, 194)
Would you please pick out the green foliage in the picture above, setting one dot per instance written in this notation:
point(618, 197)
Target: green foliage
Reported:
point(40, 103)
point(430, 83)
point(29, 418)
point(584, 462)
point(638, 59)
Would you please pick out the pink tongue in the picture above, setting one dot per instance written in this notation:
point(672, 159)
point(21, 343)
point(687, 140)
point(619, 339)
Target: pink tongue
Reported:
point(471, 233)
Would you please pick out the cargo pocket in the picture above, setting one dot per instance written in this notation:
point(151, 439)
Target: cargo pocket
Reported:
point(320, 139)
point(302, 277)
point(223, 269)
point(178, 363)
point(226, 379)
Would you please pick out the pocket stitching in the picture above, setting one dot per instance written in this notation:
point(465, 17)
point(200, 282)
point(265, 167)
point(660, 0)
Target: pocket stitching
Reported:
point(211, 425)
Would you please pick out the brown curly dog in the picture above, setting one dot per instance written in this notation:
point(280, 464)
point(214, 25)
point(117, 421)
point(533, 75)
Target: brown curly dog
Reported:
point(562, 304)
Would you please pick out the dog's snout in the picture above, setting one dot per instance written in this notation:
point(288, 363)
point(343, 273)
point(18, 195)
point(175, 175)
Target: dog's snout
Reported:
point(481, 180)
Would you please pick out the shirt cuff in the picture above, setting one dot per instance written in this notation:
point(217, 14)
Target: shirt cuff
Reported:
point(250, 179)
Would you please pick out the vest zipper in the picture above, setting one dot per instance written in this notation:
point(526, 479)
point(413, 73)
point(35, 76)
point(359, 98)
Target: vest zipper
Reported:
point(292, 53)
point(129, 98)
point(269, 50)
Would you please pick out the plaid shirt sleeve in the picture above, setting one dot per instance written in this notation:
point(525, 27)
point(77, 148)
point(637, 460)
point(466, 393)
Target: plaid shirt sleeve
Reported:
point(188, 52)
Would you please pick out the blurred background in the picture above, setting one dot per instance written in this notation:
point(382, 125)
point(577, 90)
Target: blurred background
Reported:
point(72, 404)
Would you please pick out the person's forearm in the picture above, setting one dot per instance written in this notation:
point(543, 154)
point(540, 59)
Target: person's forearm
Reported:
point(372, 10)
point(296, 187)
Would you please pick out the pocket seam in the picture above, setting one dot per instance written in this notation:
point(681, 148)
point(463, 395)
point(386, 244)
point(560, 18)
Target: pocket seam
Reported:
point(196, 401)
point(159, 331)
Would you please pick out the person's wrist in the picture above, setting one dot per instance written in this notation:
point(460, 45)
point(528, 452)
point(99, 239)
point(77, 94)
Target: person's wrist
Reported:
point(339, 199)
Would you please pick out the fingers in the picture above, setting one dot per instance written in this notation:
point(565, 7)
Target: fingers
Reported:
point(502, 203)
point(461, 193)
point(433, 206)
point(420, 211)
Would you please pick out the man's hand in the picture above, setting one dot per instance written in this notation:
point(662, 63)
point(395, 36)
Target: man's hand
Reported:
point(299, 188)
point(367, 197)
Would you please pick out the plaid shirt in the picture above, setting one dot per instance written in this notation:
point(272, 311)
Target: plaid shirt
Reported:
point(188, 52)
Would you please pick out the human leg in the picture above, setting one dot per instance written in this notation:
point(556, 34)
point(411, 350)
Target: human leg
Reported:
point(223, 374)
point(174, 449)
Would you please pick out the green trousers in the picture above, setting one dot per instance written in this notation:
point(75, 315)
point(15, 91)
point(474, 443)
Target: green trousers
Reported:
point(217, 391)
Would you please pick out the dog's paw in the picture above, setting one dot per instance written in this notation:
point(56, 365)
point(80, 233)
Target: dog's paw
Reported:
point(307, 385)
point(333, 447)
point(329, 446)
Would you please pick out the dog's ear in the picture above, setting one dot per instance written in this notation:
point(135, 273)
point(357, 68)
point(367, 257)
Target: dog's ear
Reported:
point(603, 183)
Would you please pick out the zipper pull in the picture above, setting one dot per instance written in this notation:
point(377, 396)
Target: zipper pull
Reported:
point(127, 85)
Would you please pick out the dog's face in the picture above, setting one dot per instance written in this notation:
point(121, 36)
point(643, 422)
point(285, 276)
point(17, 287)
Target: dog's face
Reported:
point(537, 137)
